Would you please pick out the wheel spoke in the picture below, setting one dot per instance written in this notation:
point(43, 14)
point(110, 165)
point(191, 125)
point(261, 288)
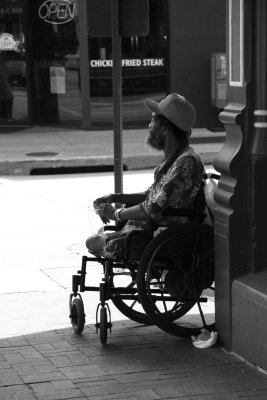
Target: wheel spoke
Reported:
point(175, 262)
point(164, 304)
point(133, 304)
point(131, 308)
point(171, 279)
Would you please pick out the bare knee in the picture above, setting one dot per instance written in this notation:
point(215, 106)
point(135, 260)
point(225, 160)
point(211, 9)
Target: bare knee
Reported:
point(96, 243)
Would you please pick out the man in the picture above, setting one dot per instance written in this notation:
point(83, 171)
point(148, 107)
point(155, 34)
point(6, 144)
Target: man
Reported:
point(177, 179)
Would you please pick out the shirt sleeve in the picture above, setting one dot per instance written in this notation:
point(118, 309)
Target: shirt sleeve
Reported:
point(175, 189)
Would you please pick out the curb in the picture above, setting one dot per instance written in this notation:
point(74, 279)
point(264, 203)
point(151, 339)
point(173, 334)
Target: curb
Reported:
point(52, 165)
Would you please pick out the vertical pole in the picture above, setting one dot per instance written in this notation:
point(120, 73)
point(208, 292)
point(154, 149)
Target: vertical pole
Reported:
point(117, 95)
point(84, 65)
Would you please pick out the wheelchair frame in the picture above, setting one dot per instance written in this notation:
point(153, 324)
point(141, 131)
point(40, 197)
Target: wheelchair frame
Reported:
point(165, 276)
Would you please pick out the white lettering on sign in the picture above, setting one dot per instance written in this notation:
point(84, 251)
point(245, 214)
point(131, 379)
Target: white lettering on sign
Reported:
point(132, 62)
point(153, 62)
point(57, 11)
point(101, 63)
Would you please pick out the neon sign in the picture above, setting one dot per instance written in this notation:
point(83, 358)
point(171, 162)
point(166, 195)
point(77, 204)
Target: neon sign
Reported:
point(57, 11)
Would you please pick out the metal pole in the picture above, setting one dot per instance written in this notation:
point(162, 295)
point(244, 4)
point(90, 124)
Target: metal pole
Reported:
point(117, 95)
point(84, 66)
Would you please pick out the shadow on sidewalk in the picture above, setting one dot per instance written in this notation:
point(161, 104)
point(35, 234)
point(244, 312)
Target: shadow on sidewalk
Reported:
point(139, 362)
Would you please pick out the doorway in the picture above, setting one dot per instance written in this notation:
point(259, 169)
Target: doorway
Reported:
point(13, 66)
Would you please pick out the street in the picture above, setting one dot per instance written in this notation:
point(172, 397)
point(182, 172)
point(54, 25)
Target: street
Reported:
point(44, 224)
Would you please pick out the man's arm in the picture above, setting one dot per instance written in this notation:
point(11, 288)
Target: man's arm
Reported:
point(131, 198)
point(177, 190)
point(122, 198)
point(134, 213)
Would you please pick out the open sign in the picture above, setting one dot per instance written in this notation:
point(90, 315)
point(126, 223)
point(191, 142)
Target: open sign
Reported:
point(57, 11)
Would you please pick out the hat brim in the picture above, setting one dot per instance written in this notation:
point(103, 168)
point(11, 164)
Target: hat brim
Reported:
point(152, 105)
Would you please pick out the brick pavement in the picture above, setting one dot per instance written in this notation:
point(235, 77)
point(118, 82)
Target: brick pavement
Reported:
point(138, 363)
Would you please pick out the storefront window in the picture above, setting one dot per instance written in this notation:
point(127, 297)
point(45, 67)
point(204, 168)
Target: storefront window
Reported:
point(56, 65)
point(144, 70)
point(54, 37)
point(13, 77)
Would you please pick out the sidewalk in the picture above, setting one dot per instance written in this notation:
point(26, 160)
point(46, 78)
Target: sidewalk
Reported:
point(25, 150)
point(138, 363)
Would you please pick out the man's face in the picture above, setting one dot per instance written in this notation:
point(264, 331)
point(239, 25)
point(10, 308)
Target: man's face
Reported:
point(157, 135)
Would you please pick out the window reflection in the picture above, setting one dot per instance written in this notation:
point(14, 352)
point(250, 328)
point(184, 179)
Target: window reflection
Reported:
point(56, 57)
point(57, 88)
point(144, 70)
point(13, 73)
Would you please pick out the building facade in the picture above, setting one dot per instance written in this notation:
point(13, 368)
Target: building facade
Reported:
point(241, 216)
point(54, 72)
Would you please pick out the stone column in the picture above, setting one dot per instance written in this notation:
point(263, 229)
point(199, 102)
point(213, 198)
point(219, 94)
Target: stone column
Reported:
point(249, 291)
point(231, 214)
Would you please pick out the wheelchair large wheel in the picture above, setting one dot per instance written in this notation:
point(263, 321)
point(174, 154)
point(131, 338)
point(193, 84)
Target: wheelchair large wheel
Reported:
point(132, 307)
point(175, 279)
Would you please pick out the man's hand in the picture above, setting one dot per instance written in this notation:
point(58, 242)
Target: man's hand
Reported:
point(101, 206)
point(106, 212)
point(102, 200)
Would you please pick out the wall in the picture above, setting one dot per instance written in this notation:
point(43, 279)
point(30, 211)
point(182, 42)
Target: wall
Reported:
point(196, 29)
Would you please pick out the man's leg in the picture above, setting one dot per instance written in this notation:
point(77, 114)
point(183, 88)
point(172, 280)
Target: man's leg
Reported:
point(96, 244)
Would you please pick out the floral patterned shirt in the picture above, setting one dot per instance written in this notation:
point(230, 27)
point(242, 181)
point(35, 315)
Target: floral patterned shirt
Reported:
point(176, 189)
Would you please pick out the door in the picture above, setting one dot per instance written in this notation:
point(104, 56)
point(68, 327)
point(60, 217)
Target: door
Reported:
point(13, 68)
point(55, 66)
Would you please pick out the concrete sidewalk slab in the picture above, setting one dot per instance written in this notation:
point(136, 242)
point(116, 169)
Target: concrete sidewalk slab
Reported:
point(29, 149)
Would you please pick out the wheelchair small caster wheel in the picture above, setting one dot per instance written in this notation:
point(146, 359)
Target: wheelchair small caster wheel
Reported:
point(77, 315)
point(103, 325)
point(104, 322)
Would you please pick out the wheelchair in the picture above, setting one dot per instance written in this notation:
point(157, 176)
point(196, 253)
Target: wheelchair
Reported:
point(168, 278)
